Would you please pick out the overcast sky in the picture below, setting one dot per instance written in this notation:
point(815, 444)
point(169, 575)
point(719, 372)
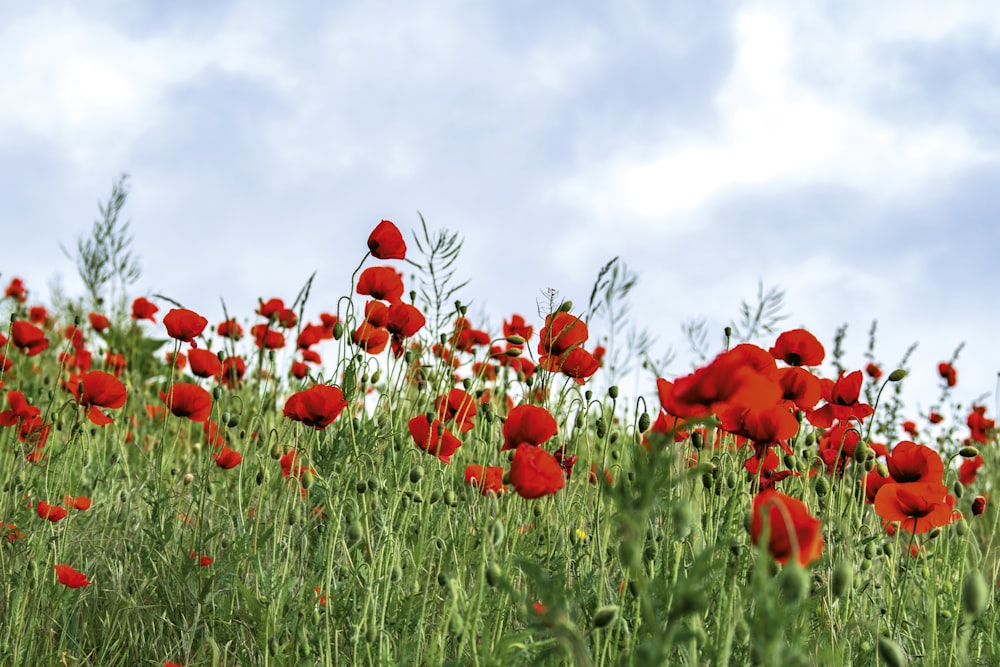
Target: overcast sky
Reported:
point(845, 152)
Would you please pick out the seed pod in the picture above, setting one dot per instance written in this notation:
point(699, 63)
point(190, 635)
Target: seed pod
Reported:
point(841, 579)
point(975, 594)
point(605, 616)
point(890, 652)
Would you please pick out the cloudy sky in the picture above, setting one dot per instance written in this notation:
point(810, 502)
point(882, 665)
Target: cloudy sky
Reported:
point(846, 152)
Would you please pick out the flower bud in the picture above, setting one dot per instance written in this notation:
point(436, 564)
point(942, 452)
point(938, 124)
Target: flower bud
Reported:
point(968, 452)
point(975, 594)
point(613, 391)
point(842, 578)
point(978, 505)
point(644, 422)
point(605, 616)
point(891, 653)
point(514, 339)
point(565, 307)
point(896, 376)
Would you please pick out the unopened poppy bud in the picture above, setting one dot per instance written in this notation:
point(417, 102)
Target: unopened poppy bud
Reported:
point(728, 331)
point(493, 574)
point(276, 452)
point(978, 505)
point(975, 594)
point(897, 375)
point(891, 653)
point(217, 393)
point(513, 352)
point(456, 624)
point(613, 391)
point(882, 469)
point(338, 330)
point(565, 307)
point(822, 486)
point(795, 583)
point(497, 533)
point(644, 422)
point(601, 427)
point(416, 473)
point(354, 531)
point(307, 478)
point(696, 440)
point(961, 527)
point(934, 533)
point(968, 452)
point(861, 452)
point(683, 518)
point(605, 616)
point(514, 339)
point(842, 578)
point(958, 489)
point(376, 376)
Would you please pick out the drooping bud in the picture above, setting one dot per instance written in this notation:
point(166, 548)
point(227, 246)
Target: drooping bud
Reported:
point(968, 452)
point(891, 653)
point(975, 594)
point(644, 422)
point(842, 578)
point(605, 616)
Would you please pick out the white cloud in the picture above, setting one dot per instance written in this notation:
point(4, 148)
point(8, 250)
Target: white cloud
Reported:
point(777, 128)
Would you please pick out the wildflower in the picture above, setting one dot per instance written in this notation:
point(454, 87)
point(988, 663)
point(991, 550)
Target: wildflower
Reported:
point(229, 329)
point(386, 242)
point(16, 290)
point(370, 338)
point(594, 478)
point(69, 577)
point(227, 458)
point(434, 438)
point(528, 424)
point(978, 505)
point(798, 347)
point(948, 373)
point(517, 327)
point(842, 402)
point(799, 387)
point(204, 364)
point(184, 324)
point(911, 428)
point(746, 375)
point(178, 361)
point(317, 406)
point(873, 370)
point(100, 390)
point(266, 337)
point(792, 533)
point(38, 315)
point(381, 282)
point(28, 338)
point(77, 502)
point(115, 362)
point(144, 309)
point(188, 400)
point(934, 417)
point(49, 512)
point(909, 462)
point(979, 425)
point(917, 507)
point(203, 561)
point(485, 478)
point(968, 469)
point(457, 405)
point(535, 473)
point(98, 322)
point(404, 320)
point(233, 369)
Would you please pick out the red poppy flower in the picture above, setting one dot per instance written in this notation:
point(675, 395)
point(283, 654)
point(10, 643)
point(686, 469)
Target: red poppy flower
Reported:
point(459, 406)
point(271, 308)
point(386, 242)
point(370, 338)
point(979, 425)
point(28, 338)
point(290, 465)
point(316, 406)
point(873, 370)
point(230, 329)
point(178, 361)
point(948, 373)
point(978, 505)
point(233, 369)
point(434, 438)
point(800, 387)
point(969, 468)
point(577, 364)
point(299, 370)
point(874, 482)
point(911, 428)
point(771, 424)
point(465, 337)
point(528, 425)
point(227, 458)
point(517, 327)
point(203, 561)
point(98, 322)
point(115, 362)
point(381, 282)
point(486, 479)
point(910, 462)
point(798, 347)
point(404, 320)
point(594, 477)
point(16, 290)
point(69, 577)
point(376, 313)
point(38, 315)
point(535, 473)
point(266, 337)
point(746, 375)
point(792, 533)
point(188, 400)
point(934, 417)
point(842, 401)
point(184, 324)
point(917, 507)
point(81, 503)
point(310, 335)
point(100, 390)
point(52, 513)
point(204, 364)
point(144, 309)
